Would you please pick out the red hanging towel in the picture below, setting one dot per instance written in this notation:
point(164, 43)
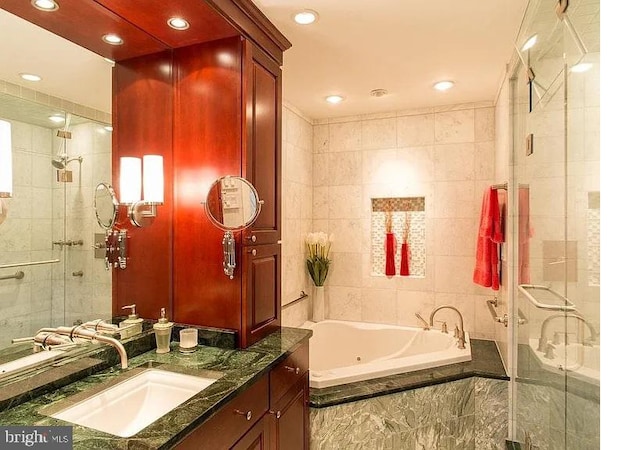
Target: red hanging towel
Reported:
point(390, 249)
point(489, 236)
point(404, 250)
point(404, 259)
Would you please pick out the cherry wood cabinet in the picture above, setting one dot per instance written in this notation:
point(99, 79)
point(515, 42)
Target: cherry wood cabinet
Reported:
point(257, 438)
point(272, 414)
point(209, 100)
point(289, 418)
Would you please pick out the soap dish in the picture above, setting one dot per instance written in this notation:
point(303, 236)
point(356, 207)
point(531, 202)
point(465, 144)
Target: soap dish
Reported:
point(187, 349)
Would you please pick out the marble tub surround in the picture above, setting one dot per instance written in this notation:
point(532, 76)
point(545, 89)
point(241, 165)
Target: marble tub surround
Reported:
point(543, 412)
point(485, 363)
point(531, 371)
point(240, 368)
point(466, 414)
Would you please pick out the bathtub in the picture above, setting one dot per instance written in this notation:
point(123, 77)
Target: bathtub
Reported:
point(343, 352)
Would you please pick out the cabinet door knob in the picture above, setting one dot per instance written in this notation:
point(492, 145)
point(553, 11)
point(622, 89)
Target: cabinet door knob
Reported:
point(276, 413)
point(254, 252)
point(296, 370)
point(252, 238)
point(247, 414)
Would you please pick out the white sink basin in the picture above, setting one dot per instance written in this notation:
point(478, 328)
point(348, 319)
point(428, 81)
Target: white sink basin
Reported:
point(131, 405)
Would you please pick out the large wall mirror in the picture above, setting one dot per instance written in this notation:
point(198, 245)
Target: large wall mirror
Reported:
point(61, 149)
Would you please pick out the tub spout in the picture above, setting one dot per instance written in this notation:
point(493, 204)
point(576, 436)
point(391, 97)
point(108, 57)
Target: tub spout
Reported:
point(460, 334)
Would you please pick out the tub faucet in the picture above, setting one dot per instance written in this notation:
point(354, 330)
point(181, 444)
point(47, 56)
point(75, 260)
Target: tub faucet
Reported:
point(459, 333)
point(593, 333)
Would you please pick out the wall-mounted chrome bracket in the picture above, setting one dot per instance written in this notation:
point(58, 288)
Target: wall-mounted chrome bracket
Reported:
point(229, 250)
point(142, 214)
point(115, 249)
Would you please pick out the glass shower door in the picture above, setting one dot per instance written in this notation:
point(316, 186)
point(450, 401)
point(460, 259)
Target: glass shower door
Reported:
point(555, 399)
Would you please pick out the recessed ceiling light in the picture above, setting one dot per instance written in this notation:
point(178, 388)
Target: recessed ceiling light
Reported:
point(378, 92)
point(45, 5)
point(112, 39)
point(334, 99)
point(178, 23)
point(305, 17)
point(30, 77)
point(443, 85)
point(57, 118)
point(581, 67)
point(530, 43)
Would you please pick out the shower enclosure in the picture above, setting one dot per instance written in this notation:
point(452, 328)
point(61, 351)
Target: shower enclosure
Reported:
point(555, 265)
point(48, 235)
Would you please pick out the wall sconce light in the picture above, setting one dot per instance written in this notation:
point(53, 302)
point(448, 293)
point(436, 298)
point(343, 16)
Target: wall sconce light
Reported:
point(6, 172)
point(138, 176)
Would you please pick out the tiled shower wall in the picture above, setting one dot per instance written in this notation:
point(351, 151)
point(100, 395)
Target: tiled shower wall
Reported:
point(38, 212)
point(297, 190)
point(88, 296)
point(26, 235)
point(445, 154)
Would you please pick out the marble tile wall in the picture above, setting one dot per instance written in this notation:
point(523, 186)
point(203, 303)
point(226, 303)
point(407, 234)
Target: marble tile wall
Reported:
point(466, 414)
point(444, 154)
point(26, 235)
point(297, 190)
point(43, 210)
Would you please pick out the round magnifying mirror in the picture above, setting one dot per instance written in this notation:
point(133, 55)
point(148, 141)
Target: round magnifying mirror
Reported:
point(232, 203)
point(105, 205)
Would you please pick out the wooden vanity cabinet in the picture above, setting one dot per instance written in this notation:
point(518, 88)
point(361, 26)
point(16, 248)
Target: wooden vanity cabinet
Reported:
point(272, 414)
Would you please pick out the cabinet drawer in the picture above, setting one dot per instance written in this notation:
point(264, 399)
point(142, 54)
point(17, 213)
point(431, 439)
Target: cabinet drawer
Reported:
point(289, 372)
point(231, 422)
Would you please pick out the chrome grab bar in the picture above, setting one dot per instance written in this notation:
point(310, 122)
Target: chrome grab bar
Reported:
point(33, 263)
point(19, 275)
point(493, 303)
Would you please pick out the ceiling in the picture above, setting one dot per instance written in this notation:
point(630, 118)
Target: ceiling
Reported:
point(356, 46)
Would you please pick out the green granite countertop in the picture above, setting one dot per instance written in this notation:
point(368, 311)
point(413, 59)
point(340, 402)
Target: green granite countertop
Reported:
point(240, 369)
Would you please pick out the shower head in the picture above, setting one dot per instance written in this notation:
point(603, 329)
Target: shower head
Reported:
point(59, 163)
point(62, 161)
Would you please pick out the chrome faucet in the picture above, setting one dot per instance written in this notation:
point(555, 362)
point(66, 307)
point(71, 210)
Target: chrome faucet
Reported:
point(459, 333)
point(79, 332)
point(593, 337)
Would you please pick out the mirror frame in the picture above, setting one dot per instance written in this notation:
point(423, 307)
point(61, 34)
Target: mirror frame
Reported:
point(247, 224)
point(114, 201)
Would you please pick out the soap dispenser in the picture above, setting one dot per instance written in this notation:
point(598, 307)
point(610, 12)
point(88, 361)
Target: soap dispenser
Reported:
point(163, 333)
point(132, 325)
